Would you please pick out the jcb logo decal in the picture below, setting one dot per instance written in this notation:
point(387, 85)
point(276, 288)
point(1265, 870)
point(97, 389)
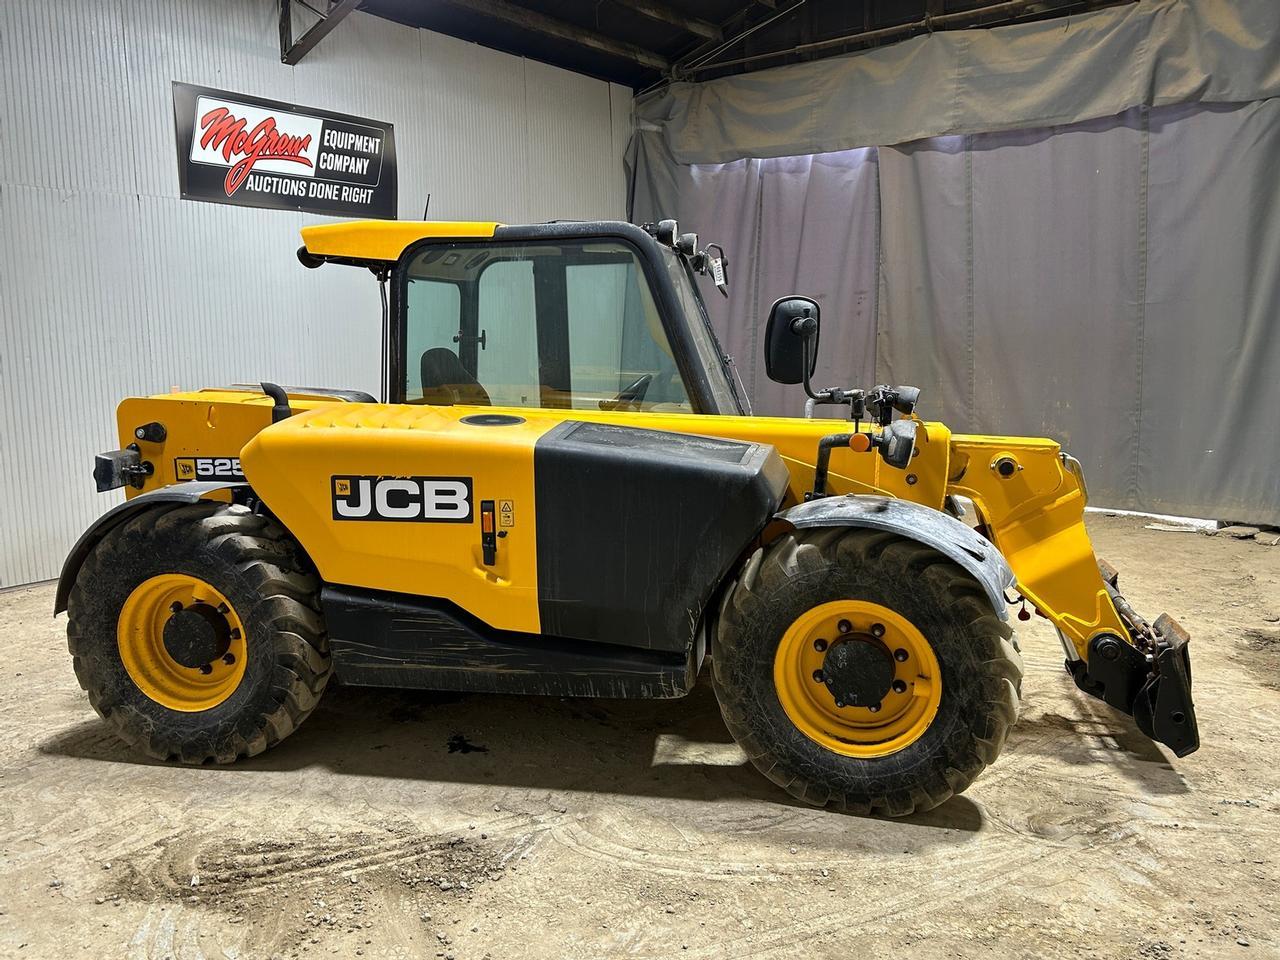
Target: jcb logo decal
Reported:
point(207, 468)
point(424, 499)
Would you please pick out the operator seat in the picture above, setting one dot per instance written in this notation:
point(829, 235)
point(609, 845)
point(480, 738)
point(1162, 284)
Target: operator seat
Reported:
point(446, 380)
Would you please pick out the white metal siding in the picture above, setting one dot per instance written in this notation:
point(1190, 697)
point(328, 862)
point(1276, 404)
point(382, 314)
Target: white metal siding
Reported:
point(112, 286)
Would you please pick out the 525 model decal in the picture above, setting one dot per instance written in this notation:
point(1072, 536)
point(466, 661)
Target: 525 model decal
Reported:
point(424, 499)
point(207, 468)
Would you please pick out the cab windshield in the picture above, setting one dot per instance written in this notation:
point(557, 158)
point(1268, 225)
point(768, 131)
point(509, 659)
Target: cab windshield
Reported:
point(719, 377)
point(565, 323)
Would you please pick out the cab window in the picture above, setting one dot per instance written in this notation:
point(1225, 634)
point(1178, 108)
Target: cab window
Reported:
point(437, 305)
point(569, 324)
point(507, 358)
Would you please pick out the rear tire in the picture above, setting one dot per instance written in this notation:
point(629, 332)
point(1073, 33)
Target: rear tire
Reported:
point(780, 587)
point(270, 597)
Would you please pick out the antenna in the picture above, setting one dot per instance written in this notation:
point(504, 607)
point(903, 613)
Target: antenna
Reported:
point(426, 207)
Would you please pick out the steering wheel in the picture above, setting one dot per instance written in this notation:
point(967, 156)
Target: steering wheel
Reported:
point(631, 395)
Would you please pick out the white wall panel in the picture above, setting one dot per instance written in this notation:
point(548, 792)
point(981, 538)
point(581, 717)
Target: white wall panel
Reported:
point(112, 286)
point(386, 85)
point(226, 45)
point(620, 103)
point(473, 105)
point(71, 340)
point(573, 173)
point(64, 96)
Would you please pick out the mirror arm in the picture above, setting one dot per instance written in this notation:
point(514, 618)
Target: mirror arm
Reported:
point(804, 327)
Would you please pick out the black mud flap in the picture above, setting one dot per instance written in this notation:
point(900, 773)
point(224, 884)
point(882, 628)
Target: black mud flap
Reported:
point(1163, 709)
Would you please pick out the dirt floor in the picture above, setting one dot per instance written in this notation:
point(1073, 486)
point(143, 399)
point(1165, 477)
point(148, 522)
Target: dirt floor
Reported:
point(399, 825)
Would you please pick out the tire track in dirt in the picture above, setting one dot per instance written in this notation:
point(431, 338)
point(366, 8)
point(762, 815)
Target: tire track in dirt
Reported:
point(1024, 847)
point(166, 932)
point(900, 908)
point(288, 892)
point(609, 840)
point(257, 866)
point(1011, 863)
point(53, 841)
point(98, 840)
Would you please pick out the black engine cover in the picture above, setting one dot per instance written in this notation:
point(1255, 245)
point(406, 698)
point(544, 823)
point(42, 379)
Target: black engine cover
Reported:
point(637, 528)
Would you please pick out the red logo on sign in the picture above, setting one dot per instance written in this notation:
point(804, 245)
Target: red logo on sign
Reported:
point(225, 132)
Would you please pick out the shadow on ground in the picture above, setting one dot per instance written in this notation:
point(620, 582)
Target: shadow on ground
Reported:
point(1096, 733)
point(674, 749)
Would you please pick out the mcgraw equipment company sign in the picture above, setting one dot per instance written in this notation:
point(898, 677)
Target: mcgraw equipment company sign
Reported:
point(260, 153)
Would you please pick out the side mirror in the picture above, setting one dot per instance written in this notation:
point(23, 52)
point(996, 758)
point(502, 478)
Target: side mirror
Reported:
point(791, 340)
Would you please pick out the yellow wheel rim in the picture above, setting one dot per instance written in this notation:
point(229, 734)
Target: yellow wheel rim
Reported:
point(172, 618)
point(910, 701)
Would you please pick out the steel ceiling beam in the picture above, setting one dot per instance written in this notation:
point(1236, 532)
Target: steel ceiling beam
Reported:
point(960, 19)
point(292, 51)
point(527, 19)
point(660, 11)
point(735, 29)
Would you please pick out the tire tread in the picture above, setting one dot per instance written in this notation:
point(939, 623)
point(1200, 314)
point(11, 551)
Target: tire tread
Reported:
point(810, 552)
point(264, 557)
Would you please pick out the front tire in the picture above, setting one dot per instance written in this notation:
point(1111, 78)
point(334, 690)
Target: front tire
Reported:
point(864, 671)
point(196, 631)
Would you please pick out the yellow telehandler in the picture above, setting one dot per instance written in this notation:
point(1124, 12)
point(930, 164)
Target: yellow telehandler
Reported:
point(562, 492)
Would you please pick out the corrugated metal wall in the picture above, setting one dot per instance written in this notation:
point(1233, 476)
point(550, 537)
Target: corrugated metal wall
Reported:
point(112, 286)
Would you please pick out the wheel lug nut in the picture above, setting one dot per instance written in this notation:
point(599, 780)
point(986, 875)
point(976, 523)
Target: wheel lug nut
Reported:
point(877, 630)
point(844, 626)
point(207, 669)
point(230, 658)
point(175, 607)
point(235, 633)
point(874, 708)
point(223, 609)
point(899, 686)
point(900, 655)
point(817, 676)
point(839, 703)
point(819, 644)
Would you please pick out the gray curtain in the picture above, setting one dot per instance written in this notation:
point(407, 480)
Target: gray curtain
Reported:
point(1011, 286)
point(1113, 284)
point(1062, 70)
point(789, 225)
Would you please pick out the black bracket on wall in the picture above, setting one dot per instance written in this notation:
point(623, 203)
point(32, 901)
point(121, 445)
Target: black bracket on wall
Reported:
point(292, 51)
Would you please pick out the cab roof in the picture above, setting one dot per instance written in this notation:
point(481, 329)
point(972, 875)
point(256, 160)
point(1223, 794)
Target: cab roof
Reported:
point(378, 244)
point(382, 241)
